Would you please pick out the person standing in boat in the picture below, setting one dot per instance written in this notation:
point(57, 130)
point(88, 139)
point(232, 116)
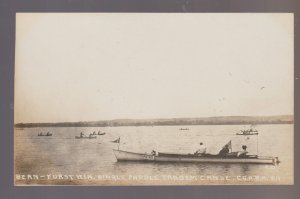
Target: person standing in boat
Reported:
point(201, 150)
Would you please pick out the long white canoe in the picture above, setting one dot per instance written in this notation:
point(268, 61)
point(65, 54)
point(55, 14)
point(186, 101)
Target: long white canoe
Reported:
point(167, 157)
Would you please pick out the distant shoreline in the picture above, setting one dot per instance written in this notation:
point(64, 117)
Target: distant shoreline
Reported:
point(222, 120)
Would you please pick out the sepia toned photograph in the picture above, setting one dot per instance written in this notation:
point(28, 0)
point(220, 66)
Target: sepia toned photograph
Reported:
point(112, 99)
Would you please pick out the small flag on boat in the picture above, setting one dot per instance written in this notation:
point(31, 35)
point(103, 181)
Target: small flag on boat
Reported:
point(116, 141)
point(229, 144)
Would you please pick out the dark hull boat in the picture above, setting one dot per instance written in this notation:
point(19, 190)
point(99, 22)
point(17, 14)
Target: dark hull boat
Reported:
point(190, 158)
point(242, 133)
point(86, 137)
point(45, 134)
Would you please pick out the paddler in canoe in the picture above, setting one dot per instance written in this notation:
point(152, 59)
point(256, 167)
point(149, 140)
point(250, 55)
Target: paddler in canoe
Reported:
point(227, 151)
point(201, 150)
point(222, 153)
point(242, 153)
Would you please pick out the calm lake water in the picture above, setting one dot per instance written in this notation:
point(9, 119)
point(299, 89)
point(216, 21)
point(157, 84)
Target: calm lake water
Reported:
point(65, 155)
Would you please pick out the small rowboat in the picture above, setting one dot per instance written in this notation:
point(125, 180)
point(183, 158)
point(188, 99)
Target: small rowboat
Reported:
point(101, 133)
point(85, 137)
point(190, 158)
point(184, 129)
point(40, 134)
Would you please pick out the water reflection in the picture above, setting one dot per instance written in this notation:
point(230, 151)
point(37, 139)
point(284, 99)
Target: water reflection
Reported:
point(150, 168)
point(244, 169)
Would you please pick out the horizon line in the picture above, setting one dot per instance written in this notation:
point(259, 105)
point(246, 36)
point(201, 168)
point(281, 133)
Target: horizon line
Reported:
point(292, 115)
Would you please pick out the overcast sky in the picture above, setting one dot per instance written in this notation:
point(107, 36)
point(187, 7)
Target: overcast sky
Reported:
point(82, 67)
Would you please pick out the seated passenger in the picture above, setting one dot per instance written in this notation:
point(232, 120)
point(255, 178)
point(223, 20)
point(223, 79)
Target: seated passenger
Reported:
point(201, 150)
point(242, 153)
point(153, 152)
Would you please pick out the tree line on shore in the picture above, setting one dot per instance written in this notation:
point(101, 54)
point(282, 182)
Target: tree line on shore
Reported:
point(225, 120)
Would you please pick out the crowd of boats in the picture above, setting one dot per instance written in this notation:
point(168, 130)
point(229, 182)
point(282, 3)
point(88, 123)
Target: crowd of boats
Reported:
point(93, 135)
point(81, 135)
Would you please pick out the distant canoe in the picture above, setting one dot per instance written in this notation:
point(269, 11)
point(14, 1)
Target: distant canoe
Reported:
point(248, 132)
point(101, 133)
point(184, 129)
point(85, 137)
point(50, 134)
point(190, 158)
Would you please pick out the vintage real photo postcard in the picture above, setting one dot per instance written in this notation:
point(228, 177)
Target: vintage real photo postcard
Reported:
point(154, 99)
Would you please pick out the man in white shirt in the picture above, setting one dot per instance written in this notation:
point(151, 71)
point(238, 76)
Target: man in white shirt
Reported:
point(201, 150)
